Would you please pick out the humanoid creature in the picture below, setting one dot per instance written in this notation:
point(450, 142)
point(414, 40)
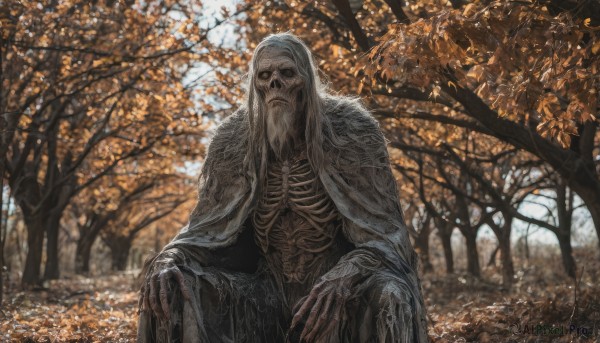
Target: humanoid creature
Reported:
point(298, 234)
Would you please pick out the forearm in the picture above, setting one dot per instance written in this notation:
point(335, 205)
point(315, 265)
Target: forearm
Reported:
point(354, 266)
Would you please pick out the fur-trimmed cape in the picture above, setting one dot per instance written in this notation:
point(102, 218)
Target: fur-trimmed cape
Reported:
point(357, 176)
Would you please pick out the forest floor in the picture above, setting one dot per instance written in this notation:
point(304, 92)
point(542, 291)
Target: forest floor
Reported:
point(78, 309)
point(542, 306)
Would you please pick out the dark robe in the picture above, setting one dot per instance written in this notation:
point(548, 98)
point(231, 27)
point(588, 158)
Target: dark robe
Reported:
point(235, 299)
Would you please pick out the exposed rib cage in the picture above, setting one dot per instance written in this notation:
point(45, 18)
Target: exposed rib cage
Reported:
point(295, 221)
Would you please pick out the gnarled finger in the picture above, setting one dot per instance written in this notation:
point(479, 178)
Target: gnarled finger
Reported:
point(313, 315)
point(299, 303)
point(321, 315)
point(310, 300)
point(181, 280)
point(334, 318)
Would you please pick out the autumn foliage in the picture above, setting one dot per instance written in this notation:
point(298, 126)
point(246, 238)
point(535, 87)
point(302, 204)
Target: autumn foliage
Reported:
point(522, 60)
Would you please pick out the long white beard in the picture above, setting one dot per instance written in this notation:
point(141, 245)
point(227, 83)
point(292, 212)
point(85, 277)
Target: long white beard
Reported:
point(280, 130)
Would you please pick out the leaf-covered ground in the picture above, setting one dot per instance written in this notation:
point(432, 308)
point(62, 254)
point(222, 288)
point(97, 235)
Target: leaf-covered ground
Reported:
point(539, 308)
point(101, 309)
point(468, 310)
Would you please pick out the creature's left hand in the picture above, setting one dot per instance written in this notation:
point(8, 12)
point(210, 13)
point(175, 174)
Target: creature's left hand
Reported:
point(324, 306)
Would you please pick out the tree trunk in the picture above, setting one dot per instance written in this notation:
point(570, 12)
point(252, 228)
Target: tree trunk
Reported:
point(119, 251)
point(60, 200)
point(82, 254)
point(591, 198)
point(492, 260)
point(52, 265)
point(35, 245)
point(422, 247)
point(424, 256)
point(503, 235)
point(508, 269)
point(88, 233)
point(27, 194)
point(473, 267)
point(527, 255)
point(446, 238)
point(564, 206)
point(566, 251)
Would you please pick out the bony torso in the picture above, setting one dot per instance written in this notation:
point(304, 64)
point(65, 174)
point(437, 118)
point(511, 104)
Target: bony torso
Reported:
point(296, 224)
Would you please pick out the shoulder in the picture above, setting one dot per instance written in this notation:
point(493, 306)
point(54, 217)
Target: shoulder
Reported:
point(347, 116)
point(229, 141)
point(342, 107)
point(234, 124)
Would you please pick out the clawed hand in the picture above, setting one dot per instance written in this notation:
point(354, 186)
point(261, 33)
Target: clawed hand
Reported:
point(157, 289)
point(324, 305)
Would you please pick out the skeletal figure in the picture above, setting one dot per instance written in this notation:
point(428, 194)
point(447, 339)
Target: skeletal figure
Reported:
point(298, 235)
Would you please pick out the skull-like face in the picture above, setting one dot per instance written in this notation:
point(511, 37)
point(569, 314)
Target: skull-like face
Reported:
point(278, 81)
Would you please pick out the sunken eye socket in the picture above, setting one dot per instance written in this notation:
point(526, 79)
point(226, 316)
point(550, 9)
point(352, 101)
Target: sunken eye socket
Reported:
point(287, 72)
point(263, 75)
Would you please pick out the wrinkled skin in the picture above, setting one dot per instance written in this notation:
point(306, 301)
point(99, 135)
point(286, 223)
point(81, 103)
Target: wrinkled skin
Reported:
point(155, 293)
point(324, 306)
point(281, 88)
point(278, 81)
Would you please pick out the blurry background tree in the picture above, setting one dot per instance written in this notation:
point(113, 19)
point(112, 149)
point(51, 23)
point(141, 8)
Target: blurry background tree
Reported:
point(490, 108)
point(98, 112)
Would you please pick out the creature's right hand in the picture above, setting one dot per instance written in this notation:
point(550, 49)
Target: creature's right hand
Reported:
point(154, 292)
